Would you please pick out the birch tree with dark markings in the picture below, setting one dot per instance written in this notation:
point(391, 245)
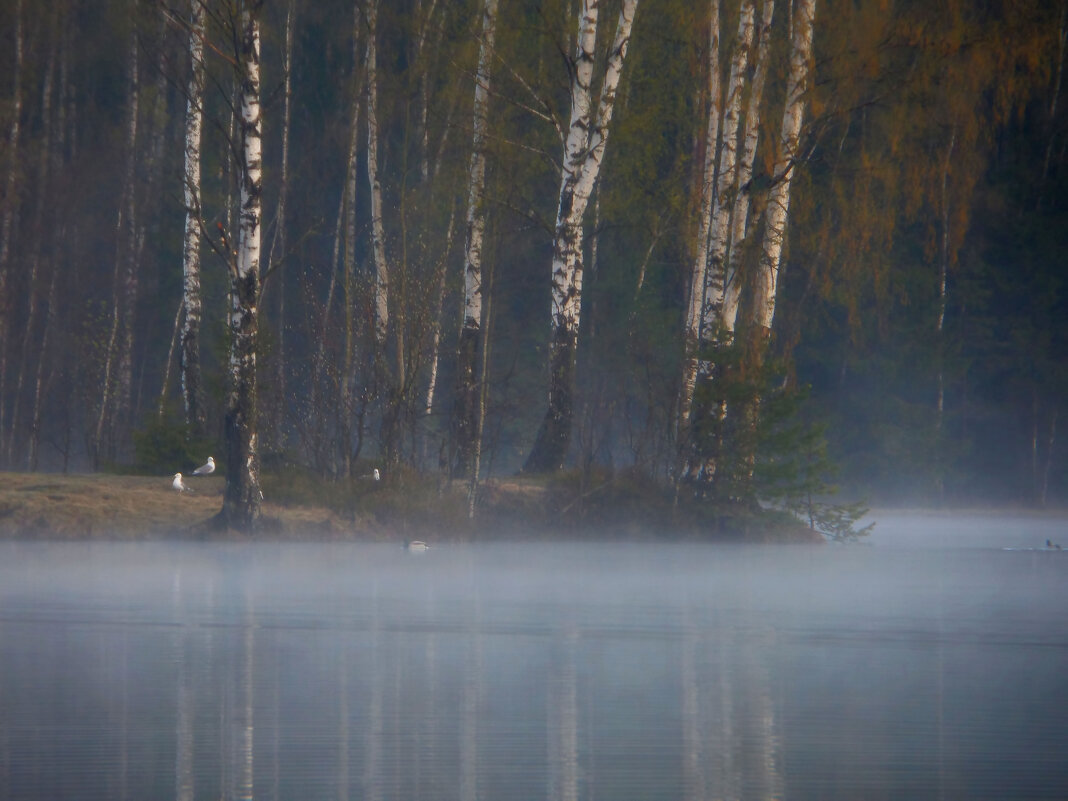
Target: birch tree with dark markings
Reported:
point(192, 392)
point(241, 505)
point(471, 333)
point(584, 149)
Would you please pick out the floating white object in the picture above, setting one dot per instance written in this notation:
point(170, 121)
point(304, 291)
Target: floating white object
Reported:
point(416, 546)
point(206, 469)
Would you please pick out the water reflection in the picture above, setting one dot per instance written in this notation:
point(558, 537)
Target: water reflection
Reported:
point(525, 672)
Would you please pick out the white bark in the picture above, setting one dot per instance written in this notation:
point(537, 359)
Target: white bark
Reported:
point(348, 372)
point(779, 198)
point(750, 139)
point(471, 327)
point(584, 148)
point(378, 237)
point(584, 151)
point(192, 394)
point(242, 502)
point(476, 219)
point(700, 262)
point(715, 278)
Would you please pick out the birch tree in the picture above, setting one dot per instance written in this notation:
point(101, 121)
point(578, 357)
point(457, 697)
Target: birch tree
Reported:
point(10, 201)
point(699, 268)
point(779, 197)
point(378, 236)
point(241, 505)
point(719, 234)
point(192, 392)
point(745, 179)
point(584, 149)
point(466, 400)
point(708, 332)
point(125, 249)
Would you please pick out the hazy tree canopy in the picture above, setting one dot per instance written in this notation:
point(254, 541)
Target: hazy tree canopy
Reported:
point(920, 292)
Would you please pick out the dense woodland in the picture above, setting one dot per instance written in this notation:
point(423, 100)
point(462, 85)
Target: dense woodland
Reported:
point(720, 244)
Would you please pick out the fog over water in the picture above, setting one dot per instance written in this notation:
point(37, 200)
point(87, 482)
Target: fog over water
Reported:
point(930, 663)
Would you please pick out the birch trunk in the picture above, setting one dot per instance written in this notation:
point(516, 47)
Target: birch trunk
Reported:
point(466, 401)
point(719, 235)
point(711, 335)
point(189, 359)
point(33, 447)
point(700, 263)
point(37, 249)
point(278, 243)
point(10, 200)
point(779, 198)
point(378, 236)
point(943, 273)
point(241, 506)
point(348, 375)
point(125, 234)
point(744, 183)
point(584, 150)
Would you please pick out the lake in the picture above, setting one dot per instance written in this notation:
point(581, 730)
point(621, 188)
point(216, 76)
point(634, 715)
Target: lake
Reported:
point(931, 662)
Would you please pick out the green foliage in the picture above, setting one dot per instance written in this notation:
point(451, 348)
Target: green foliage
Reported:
point(771, 451)
point(163, 445)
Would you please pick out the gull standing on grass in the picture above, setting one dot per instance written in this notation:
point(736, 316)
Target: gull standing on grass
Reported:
point(178, 485)
point(206, 469)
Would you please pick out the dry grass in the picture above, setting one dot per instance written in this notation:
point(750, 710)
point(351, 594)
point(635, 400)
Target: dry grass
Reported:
point(98, 506)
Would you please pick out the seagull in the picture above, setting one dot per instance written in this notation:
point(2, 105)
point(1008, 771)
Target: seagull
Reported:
point(377, 475)
point(416, 546)
point(206, 469)
point(178, 485)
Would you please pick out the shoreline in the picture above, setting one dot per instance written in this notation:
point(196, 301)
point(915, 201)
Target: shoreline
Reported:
point(112, 507)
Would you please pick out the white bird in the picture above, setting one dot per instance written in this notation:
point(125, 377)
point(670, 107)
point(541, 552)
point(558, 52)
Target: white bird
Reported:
point(377, 475)
point(416, 546)
point(206, 469)
point(178, 485)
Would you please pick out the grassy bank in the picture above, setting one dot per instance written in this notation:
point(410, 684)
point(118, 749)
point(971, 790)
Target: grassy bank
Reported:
point(303, 507)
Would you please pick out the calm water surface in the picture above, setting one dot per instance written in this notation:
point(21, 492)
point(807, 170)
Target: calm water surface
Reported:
point(932, 663)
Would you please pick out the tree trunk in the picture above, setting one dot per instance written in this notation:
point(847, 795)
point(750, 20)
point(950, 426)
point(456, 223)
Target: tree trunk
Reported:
point(241, 506)
point(348, 370)
point(378, 236)
point(36, 256)
point(700, 262)
point(711, 335)
point(719, 235)
point(279, 398)
point(779, 197)
point(33, 446)
point(466, 401)
point(125, 245)
point(10, 208)
point(189, 360)
point(583, 153)
point(745, 179)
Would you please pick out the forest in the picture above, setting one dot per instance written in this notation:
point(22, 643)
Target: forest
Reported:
point(745, 249)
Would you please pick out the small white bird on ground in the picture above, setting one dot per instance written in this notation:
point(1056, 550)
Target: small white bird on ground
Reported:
point(377, 475)
point(178, 485)
point(206, 469)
